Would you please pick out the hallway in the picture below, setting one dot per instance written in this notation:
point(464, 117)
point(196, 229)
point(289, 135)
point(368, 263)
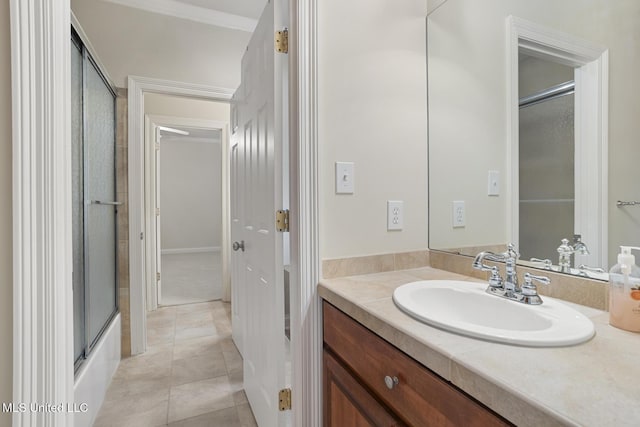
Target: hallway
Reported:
point(191, 374)
point(191, 277)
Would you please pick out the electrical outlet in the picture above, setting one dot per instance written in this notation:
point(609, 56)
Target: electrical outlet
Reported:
point(395, 213)
point(458, 214)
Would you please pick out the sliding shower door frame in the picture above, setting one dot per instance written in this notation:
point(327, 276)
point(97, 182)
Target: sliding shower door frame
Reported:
point(89, 344)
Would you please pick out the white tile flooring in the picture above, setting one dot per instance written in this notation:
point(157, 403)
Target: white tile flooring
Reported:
point(191, 375)
point(191, 278)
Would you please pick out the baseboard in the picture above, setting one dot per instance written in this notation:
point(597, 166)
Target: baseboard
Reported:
point(95, 375)
point(190, 250)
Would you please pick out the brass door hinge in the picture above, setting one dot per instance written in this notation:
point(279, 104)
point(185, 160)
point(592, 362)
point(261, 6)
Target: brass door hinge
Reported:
point(282, 220)
point(282, 41)
point(285, 399)
point(158, 276)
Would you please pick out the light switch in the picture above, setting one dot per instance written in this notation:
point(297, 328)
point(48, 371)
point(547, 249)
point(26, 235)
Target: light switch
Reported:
point(494, 183)
point(345, 178)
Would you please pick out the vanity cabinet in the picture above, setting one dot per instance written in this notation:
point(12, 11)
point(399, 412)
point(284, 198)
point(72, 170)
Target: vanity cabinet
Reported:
point(348, 403)
point(369, 382)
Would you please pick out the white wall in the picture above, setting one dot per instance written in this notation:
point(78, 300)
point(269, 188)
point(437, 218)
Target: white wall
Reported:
point(176, 106)
point(372, 111)
point(190, 108)
point(134, 42)
point(190, 194)
point(6, 239)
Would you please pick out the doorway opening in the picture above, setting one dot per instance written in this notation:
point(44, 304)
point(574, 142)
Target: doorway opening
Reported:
point(186, 200)
point(189, 214)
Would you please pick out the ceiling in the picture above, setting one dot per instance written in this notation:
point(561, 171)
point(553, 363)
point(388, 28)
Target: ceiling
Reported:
point(247, 8)
point(238, 15)
point(133, 40)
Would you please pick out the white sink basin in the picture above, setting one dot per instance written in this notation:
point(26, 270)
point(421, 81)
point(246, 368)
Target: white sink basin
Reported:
point(465, 308)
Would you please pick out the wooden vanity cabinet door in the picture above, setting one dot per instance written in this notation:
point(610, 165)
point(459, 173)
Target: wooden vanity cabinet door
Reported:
point(347, 403)
point(421, 398)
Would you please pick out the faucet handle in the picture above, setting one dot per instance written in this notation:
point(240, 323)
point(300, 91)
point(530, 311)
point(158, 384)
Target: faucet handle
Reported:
point(545, 262)
point(495, 281)
point(584, 268)
point(528, 278)
point(530, 291)
point(529, 288)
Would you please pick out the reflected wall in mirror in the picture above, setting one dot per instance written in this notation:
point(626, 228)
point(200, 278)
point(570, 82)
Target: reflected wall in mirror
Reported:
point(555, 167)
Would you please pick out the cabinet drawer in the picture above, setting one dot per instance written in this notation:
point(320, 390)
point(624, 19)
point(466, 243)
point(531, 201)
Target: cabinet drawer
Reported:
point(420, 398)
point(347, 403)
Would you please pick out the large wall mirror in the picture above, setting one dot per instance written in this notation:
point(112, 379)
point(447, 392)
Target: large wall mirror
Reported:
point(534, 130)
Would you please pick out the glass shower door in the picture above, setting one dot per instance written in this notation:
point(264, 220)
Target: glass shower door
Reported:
point(77, 203)
point(100, 202)
point(547, 184)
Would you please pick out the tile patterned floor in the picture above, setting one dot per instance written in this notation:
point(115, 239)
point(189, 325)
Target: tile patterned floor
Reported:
point(191, 375)
point(191, 278)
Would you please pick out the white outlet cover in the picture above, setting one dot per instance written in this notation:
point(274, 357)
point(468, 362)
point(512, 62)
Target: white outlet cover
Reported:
point(395, 214)
point(345, 178)
point(458, 214)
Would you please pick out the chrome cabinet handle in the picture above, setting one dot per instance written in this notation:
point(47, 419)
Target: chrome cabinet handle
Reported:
point(391, 382)
point(238, 245)
point(100, 202)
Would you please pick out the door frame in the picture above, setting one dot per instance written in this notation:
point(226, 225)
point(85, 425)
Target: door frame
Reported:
point(591, 127)
point(139, 217)
point(304, 221)
point(41, 205)
point(151, 122)
point(42, 257)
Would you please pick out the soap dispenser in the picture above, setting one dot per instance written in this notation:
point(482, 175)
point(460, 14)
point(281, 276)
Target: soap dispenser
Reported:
point(624, 292)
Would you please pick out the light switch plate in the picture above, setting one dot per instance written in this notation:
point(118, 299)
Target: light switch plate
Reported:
point(395, 214)
point(494, 183)
point(345, 179)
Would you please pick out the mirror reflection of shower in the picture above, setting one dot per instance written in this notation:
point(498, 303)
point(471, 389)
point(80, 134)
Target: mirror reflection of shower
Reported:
point(546, 156)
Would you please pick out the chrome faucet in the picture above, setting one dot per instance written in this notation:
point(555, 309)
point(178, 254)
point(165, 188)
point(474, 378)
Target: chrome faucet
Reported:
point(508, 287)
point(511, 279)
point(565, 250)
point(564, 256)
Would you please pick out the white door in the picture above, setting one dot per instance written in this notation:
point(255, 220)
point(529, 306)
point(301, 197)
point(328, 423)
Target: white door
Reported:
point(261, 111)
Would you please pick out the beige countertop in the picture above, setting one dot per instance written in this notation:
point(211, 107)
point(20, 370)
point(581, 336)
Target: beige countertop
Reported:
point(592, 384)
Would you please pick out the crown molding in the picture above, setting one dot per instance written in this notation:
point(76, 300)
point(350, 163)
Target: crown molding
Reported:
point(181, 10)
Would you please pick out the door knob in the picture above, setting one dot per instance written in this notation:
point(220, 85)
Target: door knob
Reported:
point(238, 245)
